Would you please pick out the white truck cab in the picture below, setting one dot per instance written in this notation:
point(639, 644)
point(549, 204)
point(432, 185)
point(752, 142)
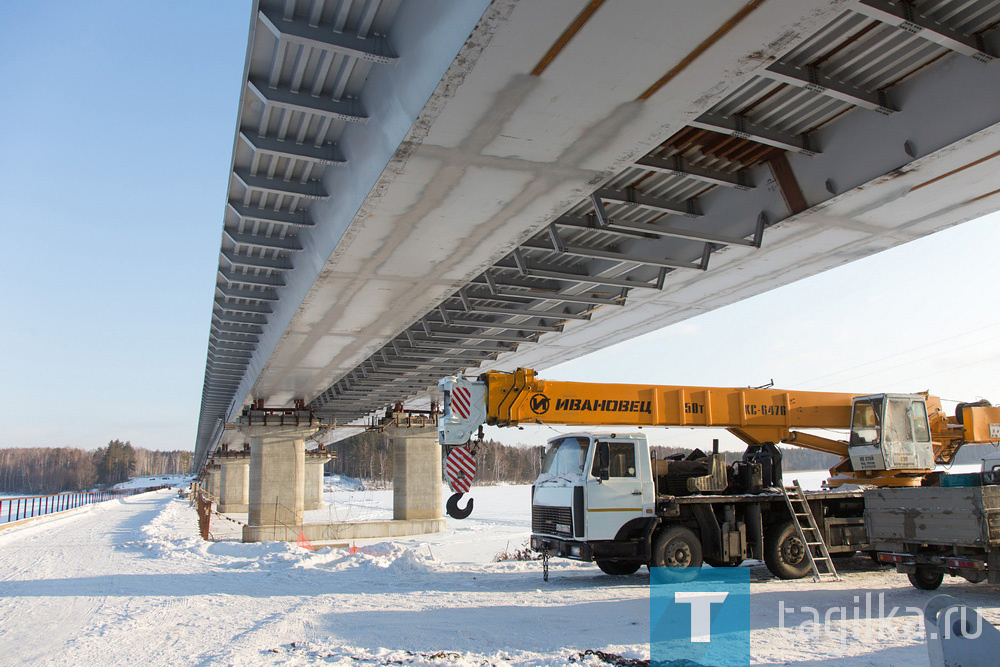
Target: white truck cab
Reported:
point(591, 486)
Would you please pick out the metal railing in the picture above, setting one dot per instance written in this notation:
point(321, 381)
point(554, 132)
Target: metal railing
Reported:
point(28, 507)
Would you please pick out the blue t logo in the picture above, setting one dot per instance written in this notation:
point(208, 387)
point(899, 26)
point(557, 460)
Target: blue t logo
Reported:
point(700, 614)
point(701, 611)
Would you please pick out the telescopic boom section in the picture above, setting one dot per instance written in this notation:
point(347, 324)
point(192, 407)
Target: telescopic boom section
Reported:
point(895, 439)
point(753, 415)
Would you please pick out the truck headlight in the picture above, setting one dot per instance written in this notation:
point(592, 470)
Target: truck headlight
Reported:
point(574, 550)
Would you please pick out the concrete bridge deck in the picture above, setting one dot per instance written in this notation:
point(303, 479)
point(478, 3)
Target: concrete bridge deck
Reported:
point(423, 187)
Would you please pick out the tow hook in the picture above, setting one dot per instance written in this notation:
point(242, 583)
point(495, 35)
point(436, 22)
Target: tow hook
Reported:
point(456, 512)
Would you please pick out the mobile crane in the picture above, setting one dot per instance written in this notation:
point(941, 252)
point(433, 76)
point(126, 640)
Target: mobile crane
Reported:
point(603, 498)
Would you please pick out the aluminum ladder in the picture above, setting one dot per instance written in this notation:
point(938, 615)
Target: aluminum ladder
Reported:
point(810, 534)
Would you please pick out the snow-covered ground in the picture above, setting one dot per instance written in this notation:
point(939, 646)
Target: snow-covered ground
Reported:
point(130, 581)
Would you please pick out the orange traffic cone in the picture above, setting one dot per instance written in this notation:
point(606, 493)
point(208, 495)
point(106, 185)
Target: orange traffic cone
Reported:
point(304, 542)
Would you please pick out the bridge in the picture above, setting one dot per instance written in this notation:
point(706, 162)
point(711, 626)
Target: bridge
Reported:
point(423, 187)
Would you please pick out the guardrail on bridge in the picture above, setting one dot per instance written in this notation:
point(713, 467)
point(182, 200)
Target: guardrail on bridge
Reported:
point(29, 507)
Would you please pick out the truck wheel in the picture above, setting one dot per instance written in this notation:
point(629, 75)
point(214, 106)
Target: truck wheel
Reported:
point(736, 562)
point(926, 579)
point(618, 567)
point(677, 547)
point(785, 553)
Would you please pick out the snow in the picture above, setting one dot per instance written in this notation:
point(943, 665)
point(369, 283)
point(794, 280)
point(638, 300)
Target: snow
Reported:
point(501, 521)
point(130, 581)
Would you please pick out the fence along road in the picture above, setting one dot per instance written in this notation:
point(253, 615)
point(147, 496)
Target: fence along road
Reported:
point(14, 509)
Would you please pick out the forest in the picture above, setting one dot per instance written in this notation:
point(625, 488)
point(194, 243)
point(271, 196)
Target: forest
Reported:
point(45, 470)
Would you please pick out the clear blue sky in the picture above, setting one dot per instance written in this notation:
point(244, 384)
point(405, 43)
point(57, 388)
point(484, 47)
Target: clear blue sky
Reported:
point(117, 134)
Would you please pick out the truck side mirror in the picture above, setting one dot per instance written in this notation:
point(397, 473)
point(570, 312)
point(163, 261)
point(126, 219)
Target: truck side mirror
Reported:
point(603, 461)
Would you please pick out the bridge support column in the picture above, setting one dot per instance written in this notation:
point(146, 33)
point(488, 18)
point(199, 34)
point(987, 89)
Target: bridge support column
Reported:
point(234, 491)
point(313, 493)
point(212, 480)
point(416, 481)
point(277, 480)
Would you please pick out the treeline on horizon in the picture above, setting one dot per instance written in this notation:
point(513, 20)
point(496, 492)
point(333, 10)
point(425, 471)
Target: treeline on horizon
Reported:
point(368, 456)
point(45, 470)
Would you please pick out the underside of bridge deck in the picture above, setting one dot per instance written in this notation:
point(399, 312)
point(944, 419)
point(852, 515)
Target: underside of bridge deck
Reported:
point(424, 187)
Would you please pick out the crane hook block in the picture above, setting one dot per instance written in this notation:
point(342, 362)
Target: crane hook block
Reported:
point(456, 512)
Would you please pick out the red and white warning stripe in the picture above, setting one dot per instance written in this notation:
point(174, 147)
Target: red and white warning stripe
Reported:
point(459, 468)
point(461, 401)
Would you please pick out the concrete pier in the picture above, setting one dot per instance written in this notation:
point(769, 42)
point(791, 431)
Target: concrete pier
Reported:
point(234, 484)
point(285, 480)
point(416, 482)
point(313, 491)
point(277, 480)
point(212, 481)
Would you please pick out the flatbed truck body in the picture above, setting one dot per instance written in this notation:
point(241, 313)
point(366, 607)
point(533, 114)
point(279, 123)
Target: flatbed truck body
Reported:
point(931, 531)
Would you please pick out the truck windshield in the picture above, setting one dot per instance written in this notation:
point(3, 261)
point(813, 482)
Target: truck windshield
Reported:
point(566, 456)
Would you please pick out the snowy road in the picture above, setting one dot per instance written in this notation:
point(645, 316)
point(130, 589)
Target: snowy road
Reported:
point(129, 582)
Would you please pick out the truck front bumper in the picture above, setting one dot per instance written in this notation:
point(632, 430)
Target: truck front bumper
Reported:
point(556, 547)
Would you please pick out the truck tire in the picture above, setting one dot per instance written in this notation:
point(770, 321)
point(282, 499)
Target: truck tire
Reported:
point(785, 553)
point(926, 579)
point(676, 547)
point(618, 567)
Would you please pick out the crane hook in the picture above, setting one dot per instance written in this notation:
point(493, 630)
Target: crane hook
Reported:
point(454, 511)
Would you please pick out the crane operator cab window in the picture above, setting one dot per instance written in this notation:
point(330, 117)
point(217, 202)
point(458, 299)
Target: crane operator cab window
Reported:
point(899, 426)
point(866, 427)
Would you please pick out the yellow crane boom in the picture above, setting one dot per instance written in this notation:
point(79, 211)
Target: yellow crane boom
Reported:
point(754, 415)
point(922, 436)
